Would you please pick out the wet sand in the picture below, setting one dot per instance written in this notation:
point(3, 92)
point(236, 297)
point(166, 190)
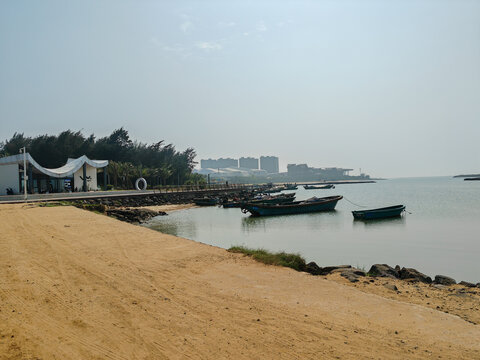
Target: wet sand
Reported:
point(78, 285)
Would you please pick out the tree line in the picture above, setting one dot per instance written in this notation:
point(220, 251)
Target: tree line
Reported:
point(158, 163)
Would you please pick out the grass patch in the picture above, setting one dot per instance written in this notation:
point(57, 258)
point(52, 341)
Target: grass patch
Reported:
point(294, 261)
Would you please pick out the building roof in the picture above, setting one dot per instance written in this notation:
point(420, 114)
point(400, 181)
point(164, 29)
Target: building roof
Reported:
point(71, 167)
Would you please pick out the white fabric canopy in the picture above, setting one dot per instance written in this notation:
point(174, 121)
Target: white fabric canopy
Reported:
point(67, 170)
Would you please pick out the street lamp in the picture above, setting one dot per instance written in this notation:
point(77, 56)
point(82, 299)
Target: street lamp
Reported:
point(25, 177)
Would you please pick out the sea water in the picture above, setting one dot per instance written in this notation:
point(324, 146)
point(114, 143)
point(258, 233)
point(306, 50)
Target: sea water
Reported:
point(440, 234)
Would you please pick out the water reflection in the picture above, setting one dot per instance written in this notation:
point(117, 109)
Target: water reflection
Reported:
point(312, 221)
point(174, 225)
point(380, 223)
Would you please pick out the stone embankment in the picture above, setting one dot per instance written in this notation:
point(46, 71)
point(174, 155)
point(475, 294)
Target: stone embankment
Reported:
point(129, 208)
point(162, 198)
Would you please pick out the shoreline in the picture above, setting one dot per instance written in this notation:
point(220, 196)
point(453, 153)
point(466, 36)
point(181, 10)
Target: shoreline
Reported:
point(81, 285)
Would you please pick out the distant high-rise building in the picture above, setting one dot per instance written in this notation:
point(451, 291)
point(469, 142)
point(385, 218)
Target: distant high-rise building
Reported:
point(248, 163)
point(208, 164)
point(269, 164)
point(219, 163)
point(227, 163)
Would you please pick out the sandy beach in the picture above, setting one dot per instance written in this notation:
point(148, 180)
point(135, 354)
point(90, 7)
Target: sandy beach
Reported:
point(79, 285)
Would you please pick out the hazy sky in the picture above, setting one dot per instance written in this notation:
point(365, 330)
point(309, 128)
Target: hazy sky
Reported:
point(392, 87)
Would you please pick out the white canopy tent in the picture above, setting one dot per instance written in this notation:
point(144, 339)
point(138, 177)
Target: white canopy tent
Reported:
point(67, 170)
point(78, 169)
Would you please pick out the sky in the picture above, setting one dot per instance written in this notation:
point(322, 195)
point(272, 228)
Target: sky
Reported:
point(391, 87)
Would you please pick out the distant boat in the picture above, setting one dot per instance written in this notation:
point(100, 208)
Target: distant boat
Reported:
point(296, 207)
point(472, 179)
point(315, 187)
point(381, 213)
point(290, 187)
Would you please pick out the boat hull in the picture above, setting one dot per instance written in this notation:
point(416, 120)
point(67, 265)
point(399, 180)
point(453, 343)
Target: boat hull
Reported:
point(318, 187)
point(283, 200)
point(382, 213)
point(298, 207)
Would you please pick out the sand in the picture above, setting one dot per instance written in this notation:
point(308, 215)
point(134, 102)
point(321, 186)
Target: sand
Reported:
point(78, 285)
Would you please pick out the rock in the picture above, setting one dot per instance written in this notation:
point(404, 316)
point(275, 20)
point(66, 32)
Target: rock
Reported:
point(351, 274)
point(414, 275)
point(383, 270)
point(444, 280)
point(478, 285)
point(328, 269)
point(313, 268)
point(467, 284)
point(439, 287)
point(391, 287)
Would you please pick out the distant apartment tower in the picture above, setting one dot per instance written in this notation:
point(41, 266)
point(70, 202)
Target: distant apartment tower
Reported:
point(208, 164)
point(248, 163)
point(269, 164)
point(227, 163)
point(219, 164)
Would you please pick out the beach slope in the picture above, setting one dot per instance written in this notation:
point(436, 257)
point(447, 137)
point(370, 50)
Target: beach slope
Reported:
point(79, 285)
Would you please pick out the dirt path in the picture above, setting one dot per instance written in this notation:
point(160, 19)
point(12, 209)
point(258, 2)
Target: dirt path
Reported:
point(77, 285)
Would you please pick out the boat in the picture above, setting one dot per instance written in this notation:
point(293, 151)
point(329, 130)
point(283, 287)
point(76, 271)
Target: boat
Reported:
point(316, 187)
point(270, 199)
point(205, 201)
point(297, 207)
point(381, 213)
point(273, 190)
point(290, 187)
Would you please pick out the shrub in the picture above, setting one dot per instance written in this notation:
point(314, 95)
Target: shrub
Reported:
point(294, 261)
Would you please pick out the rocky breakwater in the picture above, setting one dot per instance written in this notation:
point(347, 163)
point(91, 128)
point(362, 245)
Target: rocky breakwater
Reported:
point(130, 215)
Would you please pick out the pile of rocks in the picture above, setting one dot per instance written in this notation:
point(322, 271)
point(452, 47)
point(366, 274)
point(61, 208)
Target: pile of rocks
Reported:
point(133, 216)
point(347, 271)
point(384, 270)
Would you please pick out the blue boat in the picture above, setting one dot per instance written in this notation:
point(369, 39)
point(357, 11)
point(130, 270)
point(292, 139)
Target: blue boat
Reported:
point(381, 213)
point(296, 207)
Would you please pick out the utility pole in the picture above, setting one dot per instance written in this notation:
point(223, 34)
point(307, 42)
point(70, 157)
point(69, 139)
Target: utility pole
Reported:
point(25, 177)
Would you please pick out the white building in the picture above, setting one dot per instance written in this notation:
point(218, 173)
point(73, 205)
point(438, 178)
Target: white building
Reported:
point(76, 175)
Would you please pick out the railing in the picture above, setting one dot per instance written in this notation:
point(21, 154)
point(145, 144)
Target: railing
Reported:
point(206, 187)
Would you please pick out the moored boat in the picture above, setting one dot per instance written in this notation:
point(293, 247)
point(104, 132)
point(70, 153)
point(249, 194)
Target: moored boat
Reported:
point(380, 213)
point(296, 207)
point(315, 187)
point(269, 199)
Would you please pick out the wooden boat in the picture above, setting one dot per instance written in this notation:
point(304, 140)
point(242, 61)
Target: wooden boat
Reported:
point(296, 207)
point(381, 213)
point(275, 199)
point(315, 187)
point(205, 202)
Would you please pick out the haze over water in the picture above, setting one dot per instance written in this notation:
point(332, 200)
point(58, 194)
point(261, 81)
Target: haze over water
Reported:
point(440, 236)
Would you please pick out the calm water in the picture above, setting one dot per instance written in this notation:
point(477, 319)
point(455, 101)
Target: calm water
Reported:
point(440, 236)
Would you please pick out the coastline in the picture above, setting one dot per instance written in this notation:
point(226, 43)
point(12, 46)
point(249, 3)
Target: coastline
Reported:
point(76, 284)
